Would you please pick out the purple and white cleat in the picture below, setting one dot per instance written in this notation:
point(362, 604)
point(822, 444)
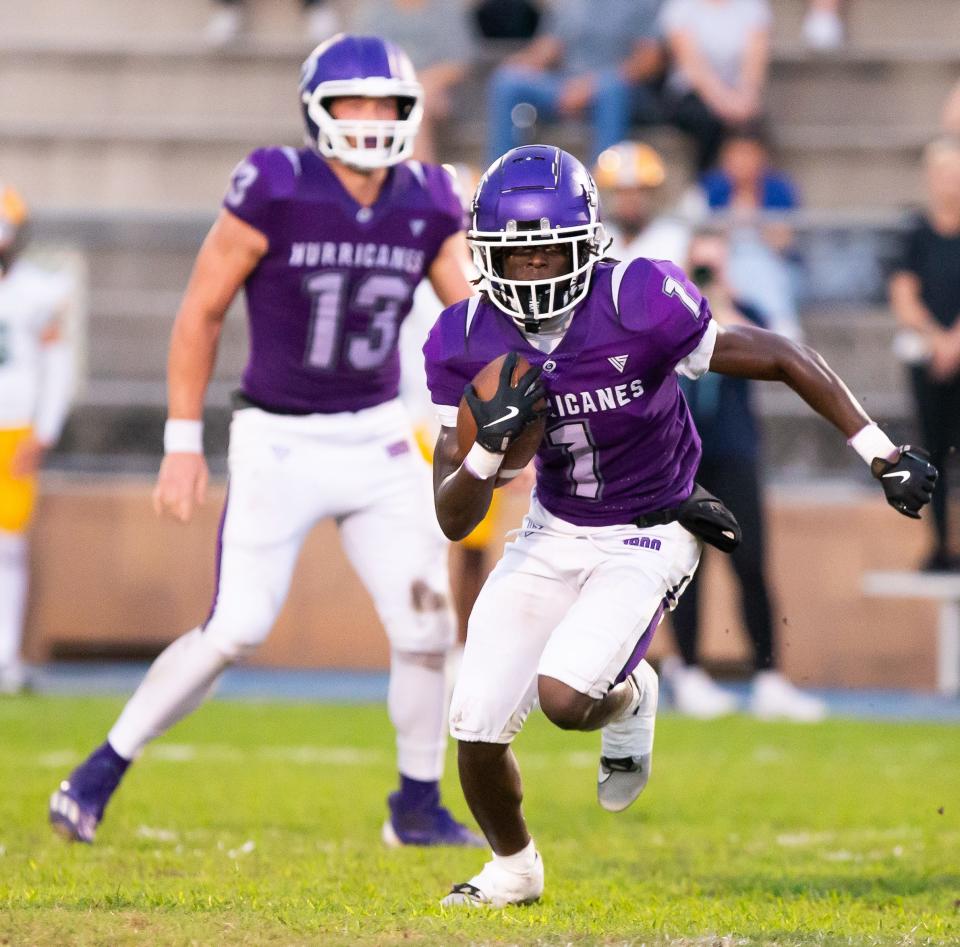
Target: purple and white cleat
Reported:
point(72, 819)
point(76, 808)
point(425, 825)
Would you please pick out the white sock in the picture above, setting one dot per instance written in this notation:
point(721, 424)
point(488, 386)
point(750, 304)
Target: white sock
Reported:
point(13, 595)
point(519, 862)
point(417, 701)
point(636, 695)
point(176, 684)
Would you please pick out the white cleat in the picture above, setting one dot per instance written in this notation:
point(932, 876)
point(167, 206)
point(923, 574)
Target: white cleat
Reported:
point(695, 693)
point(775, 698)
point(496, 887)
point(626, 748)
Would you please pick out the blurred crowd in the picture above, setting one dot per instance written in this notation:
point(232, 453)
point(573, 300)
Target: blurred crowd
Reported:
point(620, 70)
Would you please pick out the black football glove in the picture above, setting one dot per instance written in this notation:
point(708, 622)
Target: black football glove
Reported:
point(510, 410)
point(907, 481)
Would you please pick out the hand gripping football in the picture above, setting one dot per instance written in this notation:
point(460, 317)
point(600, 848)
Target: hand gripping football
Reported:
point(524, 446)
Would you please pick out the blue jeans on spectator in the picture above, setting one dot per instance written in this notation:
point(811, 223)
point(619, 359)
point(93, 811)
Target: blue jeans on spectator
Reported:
point(614, 102)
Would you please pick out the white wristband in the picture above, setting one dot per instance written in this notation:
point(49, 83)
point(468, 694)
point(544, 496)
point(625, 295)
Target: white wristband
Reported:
point(870, 442)
point(183, 436)
point(482, 463)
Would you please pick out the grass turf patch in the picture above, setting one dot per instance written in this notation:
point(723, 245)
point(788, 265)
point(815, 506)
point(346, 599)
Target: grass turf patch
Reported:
point(259, 824)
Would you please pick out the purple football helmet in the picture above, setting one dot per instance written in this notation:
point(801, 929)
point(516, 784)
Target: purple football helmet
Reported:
point(369, 67)
point(536, 195)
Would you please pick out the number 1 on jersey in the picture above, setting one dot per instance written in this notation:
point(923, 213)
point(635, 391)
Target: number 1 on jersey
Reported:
point(580, 452)
point(673, 287)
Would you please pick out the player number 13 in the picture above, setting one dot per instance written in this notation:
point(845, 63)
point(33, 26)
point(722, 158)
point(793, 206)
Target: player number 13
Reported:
point(382, 296)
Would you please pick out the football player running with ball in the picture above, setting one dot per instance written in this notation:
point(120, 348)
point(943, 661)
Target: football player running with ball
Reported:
point(615, 524)
point(329, 243)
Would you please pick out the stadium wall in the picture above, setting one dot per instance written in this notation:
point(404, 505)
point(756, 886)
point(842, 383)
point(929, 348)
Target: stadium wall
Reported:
point(111, 580)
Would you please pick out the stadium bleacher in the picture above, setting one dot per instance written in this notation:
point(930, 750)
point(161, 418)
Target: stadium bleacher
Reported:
point(123, 129)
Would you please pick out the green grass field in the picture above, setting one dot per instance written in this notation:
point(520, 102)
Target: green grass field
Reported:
point(259, 824)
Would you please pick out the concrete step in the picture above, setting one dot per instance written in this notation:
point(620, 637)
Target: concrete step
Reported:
point(860, 90)
point(77, 82)
point(844, 167)
point(122, 348)
point(162, 79)
point(132, 20)
point(120, 168)
point(878, 23)
point(871, 22)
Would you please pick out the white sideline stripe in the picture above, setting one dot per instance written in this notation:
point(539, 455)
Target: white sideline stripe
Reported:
point(58, 759)
point(157, 835)
point(301, 755)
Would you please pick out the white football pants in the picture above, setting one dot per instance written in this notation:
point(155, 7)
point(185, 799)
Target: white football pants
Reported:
point(579, 604)
point(287, 473)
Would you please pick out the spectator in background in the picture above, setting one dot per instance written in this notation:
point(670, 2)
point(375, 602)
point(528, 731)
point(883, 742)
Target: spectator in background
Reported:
point(950, 120)
point(925, 296)
point(723, 413)
point(630, 176)
point(719, 51)
point(226, 22)
point(822, 27)
point(35, 387)
point(744, 186)
point(437, 33)
point(507, 19)
point(588, 55)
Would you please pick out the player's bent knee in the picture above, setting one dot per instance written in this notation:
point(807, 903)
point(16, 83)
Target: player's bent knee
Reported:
point(426, 626)
point(232, 649)
point(563, 706)
point(237, 638)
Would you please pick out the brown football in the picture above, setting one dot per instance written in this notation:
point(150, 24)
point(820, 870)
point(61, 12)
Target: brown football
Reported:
point(521, 451)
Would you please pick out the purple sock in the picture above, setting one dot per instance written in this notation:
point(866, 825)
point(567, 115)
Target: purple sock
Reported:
point(94, 780)
point(416, 794)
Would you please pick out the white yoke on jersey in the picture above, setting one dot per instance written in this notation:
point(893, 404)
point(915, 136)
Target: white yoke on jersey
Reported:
point(30, 300)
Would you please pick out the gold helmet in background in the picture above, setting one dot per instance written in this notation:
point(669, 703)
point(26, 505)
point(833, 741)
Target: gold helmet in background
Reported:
point(629, 164)
point(13, 230)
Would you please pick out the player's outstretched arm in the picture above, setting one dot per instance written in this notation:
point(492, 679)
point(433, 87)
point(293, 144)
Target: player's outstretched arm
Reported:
point(230, 252)
point(906, 475)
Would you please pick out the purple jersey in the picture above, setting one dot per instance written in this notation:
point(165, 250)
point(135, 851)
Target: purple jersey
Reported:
point(620, 441)
point(326, 301)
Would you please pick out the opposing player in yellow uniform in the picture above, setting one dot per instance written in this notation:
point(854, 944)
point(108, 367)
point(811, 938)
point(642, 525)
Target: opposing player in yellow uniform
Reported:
point(35, 387)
